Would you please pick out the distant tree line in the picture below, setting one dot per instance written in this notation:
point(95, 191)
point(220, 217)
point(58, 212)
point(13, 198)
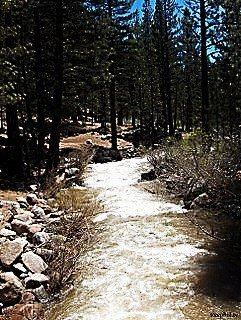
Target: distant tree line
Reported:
point(163, 69)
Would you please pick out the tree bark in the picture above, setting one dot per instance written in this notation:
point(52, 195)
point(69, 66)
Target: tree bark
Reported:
point(112, 88)
point(39, 87)
point(204, 66)
point(53, 155)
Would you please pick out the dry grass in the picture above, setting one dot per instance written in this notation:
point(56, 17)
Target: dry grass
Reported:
point(73, 235)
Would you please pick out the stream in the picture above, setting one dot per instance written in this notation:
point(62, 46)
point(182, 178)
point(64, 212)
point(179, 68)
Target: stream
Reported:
point(150, 262)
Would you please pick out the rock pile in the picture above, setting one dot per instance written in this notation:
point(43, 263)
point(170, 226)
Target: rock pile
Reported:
point(23, 279)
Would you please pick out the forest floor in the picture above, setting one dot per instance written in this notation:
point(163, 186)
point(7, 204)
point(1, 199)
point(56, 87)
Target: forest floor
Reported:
point(95, 138)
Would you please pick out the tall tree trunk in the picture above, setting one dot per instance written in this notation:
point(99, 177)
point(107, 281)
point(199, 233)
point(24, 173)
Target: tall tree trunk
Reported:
point(204, 66)
point(103, 109)
point(112, 88)
point(53, 155)
point(39, 88)
point(132, 103)
point(15, 161)
point(113, 111)
point(168, 83)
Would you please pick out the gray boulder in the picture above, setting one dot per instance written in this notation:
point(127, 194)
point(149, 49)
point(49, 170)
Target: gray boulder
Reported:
point(19, 267)
point(38, 212)
point(34, 228)
point(33, 262)
point(41, 237)
point(20, 226)
point(12, 279)
point(11, 250)
point(41, 294)
point(7, 233)
point(201, 201)
point(22, 202)
point(36, 280)
point(32, 198)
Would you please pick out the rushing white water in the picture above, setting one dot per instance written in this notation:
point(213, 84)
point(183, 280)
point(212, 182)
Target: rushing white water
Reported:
point(116, 181)
point(140, 270)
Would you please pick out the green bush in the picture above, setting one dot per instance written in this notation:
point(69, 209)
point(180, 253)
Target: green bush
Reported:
point(200, 159)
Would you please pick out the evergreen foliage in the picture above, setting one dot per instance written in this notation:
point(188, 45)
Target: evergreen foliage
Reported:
point(165, 69)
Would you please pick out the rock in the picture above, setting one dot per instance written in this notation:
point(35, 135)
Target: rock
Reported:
point(41, 237)
point(27, 297)
point(24, 311)
point(22, 202)
point(26, 217)
point(201, 201)
point(38, 212)
point(19, 226)
point(33, 187)
point(41, 294)
point(55, 214)
point(20, 267)
point(11, 278)
point(7, 233)
point(35, 280)
point(148, 176)
point(34, 228)
point(33, 262)
point(11, 250)
point(44, 253)
point(9, 294)
point(32, 198)
point(89, 141)
point(71, 171)
point(15, 205)
point(47, 209)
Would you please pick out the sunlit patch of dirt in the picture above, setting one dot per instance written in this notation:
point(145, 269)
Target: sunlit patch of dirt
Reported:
point(9, 195)
point(94, 138)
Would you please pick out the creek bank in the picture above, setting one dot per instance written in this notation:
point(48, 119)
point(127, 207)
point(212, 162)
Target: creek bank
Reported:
point(23, 277)
point(34, 234)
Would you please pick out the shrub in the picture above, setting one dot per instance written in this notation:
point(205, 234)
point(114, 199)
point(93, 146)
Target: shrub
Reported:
point(200, 162)
point(73, 233)
point(57, 180)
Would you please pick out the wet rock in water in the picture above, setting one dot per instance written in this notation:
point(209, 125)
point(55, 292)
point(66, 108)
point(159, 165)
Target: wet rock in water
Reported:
point(11, 250)
point(115, 155)
point(32, 198)
point(33, 262)
point(36, 280)
point(38, 212)
point(41, 294)
point(201, 201)
point(148, 176)
point(71, 172)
